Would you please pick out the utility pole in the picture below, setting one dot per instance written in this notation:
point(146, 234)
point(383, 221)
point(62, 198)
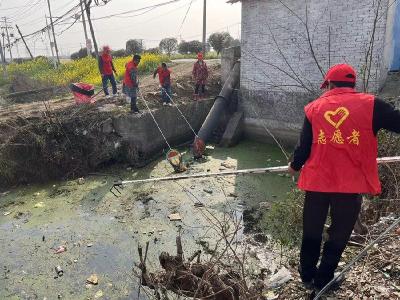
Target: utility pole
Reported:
point(54, 35)
point(205, 27)
point(51, 44)
point(22, 37)
point(3, 61)
point(87, 8)
point(4, 45)
point(8, 37)
point(87, 42)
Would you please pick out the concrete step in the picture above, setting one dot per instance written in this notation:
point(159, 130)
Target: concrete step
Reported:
point(234, 130)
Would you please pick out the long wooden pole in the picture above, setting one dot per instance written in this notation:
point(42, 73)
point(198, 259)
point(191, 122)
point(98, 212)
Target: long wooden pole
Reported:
point(205, 27)
point(87, 8)
point(3, 61)
point(54, 35)
point(84, 29)
point(51, 44)
point(281, 169)
point(22, 37)
point(8, 38)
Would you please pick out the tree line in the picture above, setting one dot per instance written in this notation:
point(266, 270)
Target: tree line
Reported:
point(218, 41)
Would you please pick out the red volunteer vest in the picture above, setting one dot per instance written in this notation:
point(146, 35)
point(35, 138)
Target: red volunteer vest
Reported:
point(344, 148)
point(107, 67)
point(164, 76)
point(127, 78)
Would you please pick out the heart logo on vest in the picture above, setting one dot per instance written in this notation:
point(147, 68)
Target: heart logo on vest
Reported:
point(337, 117)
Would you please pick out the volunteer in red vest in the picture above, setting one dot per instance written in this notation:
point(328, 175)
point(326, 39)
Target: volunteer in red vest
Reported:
point(131, 82)
point(107, 71)
point(164, 76)
point(200, 75)
point(336, 156)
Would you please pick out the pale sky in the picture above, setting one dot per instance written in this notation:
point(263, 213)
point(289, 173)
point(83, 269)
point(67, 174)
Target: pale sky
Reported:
point(151, 26)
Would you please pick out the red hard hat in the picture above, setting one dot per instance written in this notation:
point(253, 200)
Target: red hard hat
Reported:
point(342, 72)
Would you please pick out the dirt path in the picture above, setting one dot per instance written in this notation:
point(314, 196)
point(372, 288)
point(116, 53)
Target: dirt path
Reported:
point(181, 85)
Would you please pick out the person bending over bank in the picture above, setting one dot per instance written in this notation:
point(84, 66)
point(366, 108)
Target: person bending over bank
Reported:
point(164, 76)
point(336, 156)
point(131, 82)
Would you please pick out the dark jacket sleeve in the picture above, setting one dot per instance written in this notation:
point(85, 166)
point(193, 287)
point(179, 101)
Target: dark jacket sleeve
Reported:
point(303, 148)
point(385, 117)
point(100, 65)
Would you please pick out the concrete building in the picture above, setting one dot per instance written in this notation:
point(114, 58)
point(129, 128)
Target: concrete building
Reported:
point(287, 46)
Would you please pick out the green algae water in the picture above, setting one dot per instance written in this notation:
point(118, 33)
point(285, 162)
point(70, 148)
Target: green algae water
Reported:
point(101, 232)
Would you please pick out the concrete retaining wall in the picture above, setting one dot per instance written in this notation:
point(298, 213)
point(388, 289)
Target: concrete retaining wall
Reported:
point(141, 131)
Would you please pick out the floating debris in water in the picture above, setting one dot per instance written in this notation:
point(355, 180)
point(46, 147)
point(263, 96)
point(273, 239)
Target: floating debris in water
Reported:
point(60, 249)
point(59, 271)
point(175, 217)
point(99, 294)
point(208, 191)
point(39, 205)
point(93, 279)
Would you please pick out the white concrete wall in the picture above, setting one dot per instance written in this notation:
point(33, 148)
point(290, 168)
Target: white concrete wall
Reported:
point(279, 74)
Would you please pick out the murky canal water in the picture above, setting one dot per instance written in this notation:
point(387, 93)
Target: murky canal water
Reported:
point(101, 232)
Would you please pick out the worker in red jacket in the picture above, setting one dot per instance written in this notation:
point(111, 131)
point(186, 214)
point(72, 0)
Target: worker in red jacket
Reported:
point(164, 76)
point(337, 155)
point(131, 82)
point(107, 71)
point(200, 75)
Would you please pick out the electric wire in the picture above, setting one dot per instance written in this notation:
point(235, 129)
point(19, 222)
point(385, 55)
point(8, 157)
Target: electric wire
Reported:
point(181, 113)
point(136, 10)
point(186, 14)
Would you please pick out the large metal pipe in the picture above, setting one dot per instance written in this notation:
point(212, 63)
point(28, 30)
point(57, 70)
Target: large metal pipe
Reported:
point(214, 116)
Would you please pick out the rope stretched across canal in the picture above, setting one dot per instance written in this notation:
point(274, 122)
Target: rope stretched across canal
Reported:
point(355, 259)
point(183, 116)
point(154, 119)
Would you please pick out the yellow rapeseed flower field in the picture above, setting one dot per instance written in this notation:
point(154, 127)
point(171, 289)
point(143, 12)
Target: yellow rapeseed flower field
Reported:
point(81, 70)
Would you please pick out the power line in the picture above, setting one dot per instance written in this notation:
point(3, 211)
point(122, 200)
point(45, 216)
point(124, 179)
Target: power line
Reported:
point(15, 7)
point(114, 29)
point(42, 30)
point(136, 10)
point(25, 12)
point(227, 26)
point(184, 19)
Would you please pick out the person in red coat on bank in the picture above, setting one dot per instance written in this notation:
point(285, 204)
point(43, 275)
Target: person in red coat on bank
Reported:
point(336, 156)
point(200, 76)
point(107, 71)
